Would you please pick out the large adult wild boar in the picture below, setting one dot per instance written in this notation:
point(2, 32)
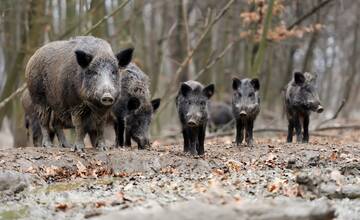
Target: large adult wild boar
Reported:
point(77, 80)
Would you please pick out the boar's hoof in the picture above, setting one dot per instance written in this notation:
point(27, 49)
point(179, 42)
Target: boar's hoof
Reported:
point(79, 147)
point(193, 152)
point(46, 144)
point(101, 146)
point(66, 145)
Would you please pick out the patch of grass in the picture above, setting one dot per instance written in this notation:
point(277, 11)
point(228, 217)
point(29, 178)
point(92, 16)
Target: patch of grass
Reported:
point(14, 214)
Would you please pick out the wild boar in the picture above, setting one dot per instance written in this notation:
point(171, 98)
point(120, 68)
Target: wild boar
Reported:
point(192, 106)
point(245, 107)
point(301, 98)
point(77, 80)
point(133, 110)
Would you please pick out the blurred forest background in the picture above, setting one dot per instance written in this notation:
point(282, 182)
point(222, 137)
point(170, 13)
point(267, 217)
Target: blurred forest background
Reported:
point(211, 41)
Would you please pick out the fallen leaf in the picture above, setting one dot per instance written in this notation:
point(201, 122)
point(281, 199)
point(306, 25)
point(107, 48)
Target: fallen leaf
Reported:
point(61, 207)
point(100, 204)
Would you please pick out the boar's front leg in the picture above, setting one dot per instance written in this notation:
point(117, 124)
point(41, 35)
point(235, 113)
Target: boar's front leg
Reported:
point(79, 132)
point(249, 131)
point(201, 138)
point(239, 131)
point(61, 137)
point(306, 128)
point(194, 141)
point(297, 125)
point(99, 136)
point(186, 137)
point(119, 128)
point(290, 129)
point(127, 138)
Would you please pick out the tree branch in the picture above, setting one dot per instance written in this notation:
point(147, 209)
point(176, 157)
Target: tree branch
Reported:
point(310, 13)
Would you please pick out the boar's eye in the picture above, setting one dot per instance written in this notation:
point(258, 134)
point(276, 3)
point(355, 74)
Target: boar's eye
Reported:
point(202, 103)
point(239, 94)
point(251, 95)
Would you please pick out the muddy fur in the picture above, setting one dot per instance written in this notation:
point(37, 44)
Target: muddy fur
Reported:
point(245, 107)
point(73, 79)
point(133, 110)
point(301, 98)
point(192, 106)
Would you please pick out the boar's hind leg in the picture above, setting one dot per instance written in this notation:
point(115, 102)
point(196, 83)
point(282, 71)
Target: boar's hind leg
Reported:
point(201, 137)
point(239, 131)
point(186, 139)
point(44, 126)
point(306, 129)
point(119, 129)
point(249, 132)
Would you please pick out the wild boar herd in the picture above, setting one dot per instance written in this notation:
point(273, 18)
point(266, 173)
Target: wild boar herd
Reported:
point(81, 84)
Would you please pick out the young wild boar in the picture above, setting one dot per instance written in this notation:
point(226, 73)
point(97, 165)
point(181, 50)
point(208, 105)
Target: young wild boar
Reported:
point(32, 123)
point(220, 115)
point(300, 99)
point(246, 107)
point(191, 103)
point(133, 110)
point(77, 81)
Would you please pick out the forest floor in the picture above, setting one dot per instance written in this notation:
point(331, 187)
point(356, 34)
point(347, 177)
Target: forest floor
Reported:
point(271, 180)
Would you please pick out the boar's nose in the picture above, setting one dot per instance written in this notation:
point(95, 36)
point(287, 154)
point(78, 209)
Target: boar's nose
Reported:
point(319, 109)
point(191, 123)
point(107, 99)
point(243, 113)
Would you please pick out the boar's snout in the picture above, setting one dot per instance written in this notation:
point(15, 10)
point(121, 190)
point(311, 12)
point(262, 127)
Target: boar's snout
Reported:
point(243, 113)
point(143, 143)
point(107, 99)
point(319, 109)
point(191, 123)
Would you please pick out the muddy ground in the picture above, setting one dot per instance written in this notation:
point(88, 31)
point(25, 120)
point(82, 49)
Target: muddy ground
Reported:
point(271, 180)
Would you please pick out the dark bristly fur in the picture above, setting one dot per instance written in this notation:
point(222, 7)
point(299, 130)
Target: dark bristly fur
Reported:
point(76, 81)
point(246, 107)
point(191, 103)
point(133, 110)
point(300, 99)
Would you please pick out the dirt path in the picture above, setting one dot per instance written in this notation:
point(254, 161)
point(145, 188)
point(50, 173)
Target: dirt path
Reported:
point(267, 181)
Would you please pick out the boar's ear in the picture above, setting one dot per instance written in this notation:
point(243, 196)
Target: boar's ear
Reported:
point(185, 89)
point(209, 90)
point(299, 78)
point(236, 83)
point(83, 59)
point(133, 103)
point(124, 57)
point(155, 104)
point(255, 83)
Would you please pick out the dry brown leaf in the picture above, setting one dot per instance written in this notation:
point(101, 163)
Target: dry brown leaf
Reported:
point(233, 165)
point(99, 204)
point(61, 207)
